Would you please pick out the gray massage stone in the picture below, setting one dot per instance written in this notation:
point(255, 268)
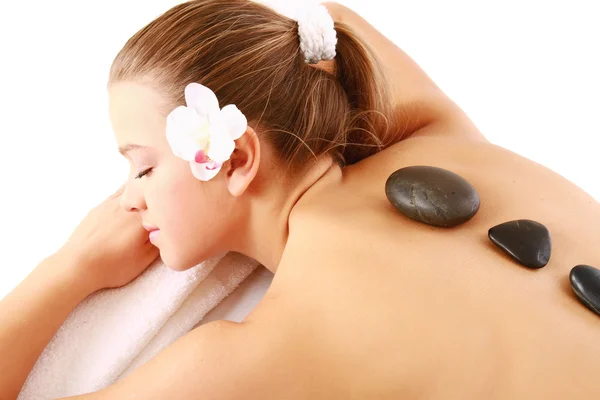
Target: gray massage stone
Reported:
point(432, 195)
point(585, 281)
point(525, 240)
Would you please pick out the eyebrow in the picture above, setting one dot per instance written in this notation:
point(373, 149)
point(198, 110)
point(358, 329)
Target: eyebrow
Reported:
point(128, 147)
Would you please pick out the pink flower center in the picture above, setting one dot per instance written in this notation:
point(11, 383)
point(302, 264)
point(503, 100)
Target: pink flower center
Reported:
point(200, 157)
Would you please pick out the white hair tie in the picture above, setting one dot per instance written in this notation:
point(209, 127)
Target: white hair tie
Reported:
point(317, 34)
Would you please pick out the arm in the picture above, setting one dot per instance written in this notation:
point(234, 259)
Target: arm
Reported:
point(220, 360)
point(412, 91)
point(30, 316)
point(108, 249)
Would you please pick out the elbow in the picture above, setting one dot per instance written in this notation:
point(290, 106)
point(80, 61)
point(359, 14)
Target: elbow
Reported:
point(443, 117)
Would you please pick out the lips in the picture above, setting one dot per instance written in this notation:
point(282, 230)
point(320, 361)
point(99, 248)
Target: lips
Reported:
point(153, 232)
point(149, 227)
point(153, 236)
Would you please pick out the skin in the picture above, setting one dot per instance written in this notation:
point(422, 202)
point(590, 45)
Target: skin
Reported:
point(234, 204)
point(108, 249)
point(369, 304)
point(366, 303)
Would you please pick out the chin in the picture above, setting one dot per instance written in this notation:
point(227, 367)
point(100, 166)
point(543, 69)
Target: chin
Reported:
point(175, 263)
point(176, 267)
point(178, 259)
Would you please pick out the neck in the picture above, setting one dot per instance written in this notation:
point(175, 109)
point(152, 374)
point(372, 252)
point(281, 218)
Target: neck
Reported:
point(267, 227)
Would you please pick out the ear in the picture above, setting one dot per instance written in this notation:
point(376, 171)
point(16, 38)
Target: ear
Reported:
point(243, 163)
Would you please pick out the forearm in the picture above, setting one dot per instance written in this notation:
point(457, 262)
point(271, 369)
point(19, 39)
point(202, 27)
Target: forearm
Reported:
point(30, 316)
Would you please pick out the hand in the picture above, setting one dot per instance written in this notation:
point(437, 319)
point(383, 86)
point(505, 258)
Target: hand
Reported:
point(109, 248)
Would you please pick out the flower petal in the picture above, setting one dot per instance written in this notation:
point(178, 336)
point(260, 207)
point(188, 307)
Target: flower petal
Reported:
point(201, 99)
point(235, 121)
point(202, 173)
point(221, 144)
point(182, 122)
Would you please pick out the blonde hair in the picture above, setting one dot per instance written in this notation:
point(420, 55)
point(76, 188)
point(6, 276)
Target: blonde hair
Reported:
point(249, 55)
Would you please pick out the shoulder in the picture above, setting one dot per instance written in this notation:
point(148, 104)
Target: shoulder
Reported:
point(221, 360)
point(352, 203)
point(432, 147)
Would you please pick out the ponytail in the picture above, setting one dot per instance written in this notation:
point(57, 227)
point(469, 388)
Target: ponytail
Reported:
point(372, 125)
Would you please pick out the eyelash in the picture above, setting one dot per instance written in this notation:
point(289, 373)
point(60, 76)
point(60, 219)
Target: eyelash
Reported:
point(143, 173)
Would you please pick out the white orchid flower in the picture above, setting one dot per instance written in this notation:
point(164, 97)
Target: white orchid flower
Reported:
point(202, 133)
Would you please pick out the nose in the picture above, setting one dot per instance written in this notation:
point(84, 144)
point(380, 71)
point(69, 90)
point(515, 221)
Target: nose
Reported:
point(132, 199)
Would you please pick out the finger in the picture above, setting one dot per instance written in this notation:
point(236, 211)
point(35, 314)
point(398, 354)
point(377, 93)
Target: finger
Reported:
point(151, 254)
point(119, 192)
point(151, 248)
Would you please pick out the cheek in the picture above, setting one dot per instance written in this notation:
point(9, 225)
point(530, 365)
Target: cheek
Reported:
point(174, 199)
point(188, 216)
point(194, 233)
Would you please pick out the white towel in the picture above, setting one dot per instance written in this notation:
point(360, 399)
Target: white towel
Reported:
point(113, 331)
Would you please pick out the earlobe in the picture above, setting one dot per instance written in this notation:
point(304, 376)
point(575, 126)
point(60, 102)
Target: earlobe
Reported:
point(244, 162)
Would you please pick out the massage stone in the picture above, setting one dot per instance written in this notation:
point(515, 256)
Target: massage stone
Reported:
point(432, 195)
point(585, 281)
point(525, 240)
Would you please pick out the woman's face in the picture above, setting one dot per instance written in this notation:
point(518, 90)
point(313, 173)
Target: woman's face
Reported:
point(192, 217)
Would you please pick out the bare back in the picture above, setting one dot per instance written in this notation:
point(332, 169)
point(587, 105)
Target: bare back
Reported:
point(370, 304)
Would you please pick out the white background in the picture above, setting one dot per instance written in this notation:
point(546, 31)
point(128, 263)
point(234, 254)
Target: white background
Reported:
point(525, 71)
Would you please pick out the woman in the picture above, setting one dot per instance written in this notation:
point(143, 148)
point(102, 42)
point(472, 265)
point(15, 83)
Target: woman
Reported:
point(365, 303)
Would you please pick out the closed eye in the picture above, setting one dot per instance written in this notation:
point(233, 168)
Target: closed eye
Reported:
point(143, 173)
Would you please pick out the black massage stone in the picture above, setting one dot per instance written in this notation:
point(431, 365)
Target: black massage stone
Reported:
point(432, 195)
point(525, 240)
point(585, 281)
